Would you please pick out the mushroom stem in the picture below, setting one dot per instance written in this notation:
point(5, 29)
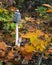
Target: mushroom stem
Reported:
point(17, 39)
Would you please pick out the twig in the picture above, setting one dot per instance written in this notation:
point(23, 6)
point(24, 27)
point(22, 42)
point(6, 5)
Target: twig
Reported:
point(40, 59)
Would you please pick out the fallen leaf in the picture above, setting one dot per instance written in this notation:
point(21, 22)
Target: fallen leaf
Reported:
point(47, 5)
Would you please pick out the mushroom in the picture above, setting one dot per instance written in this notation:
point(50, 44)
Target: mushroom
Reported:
point(17, 19)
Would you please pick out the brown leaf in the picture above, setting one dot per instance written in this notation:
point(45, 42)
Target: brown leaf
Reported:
point(47, 5)
point(10, 55)
point(49, 11)
point(3, 45)
point(50, 50)
point(11, 8)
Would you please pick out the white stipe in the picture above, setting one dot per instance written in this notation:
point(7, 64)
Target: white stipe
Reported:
point(17, 43)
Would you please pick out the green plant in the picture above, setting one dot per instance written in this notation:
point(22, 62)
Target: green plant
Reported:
point(42, 10)
point(5, 15)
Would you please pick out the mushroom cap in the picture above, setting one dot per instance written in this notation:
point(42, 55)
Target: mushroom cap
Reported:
point(17, 10)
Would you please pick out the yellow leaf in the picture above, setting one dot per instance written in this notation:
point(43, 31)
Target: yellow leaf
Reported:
point(26, 18)
point(41, 49)
point(32, 39)
point(39, 32)
point(42, 46)
point(1, 10)
point(40, 14)
point(20, 26)
point(38, 47)
point(22, 20)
